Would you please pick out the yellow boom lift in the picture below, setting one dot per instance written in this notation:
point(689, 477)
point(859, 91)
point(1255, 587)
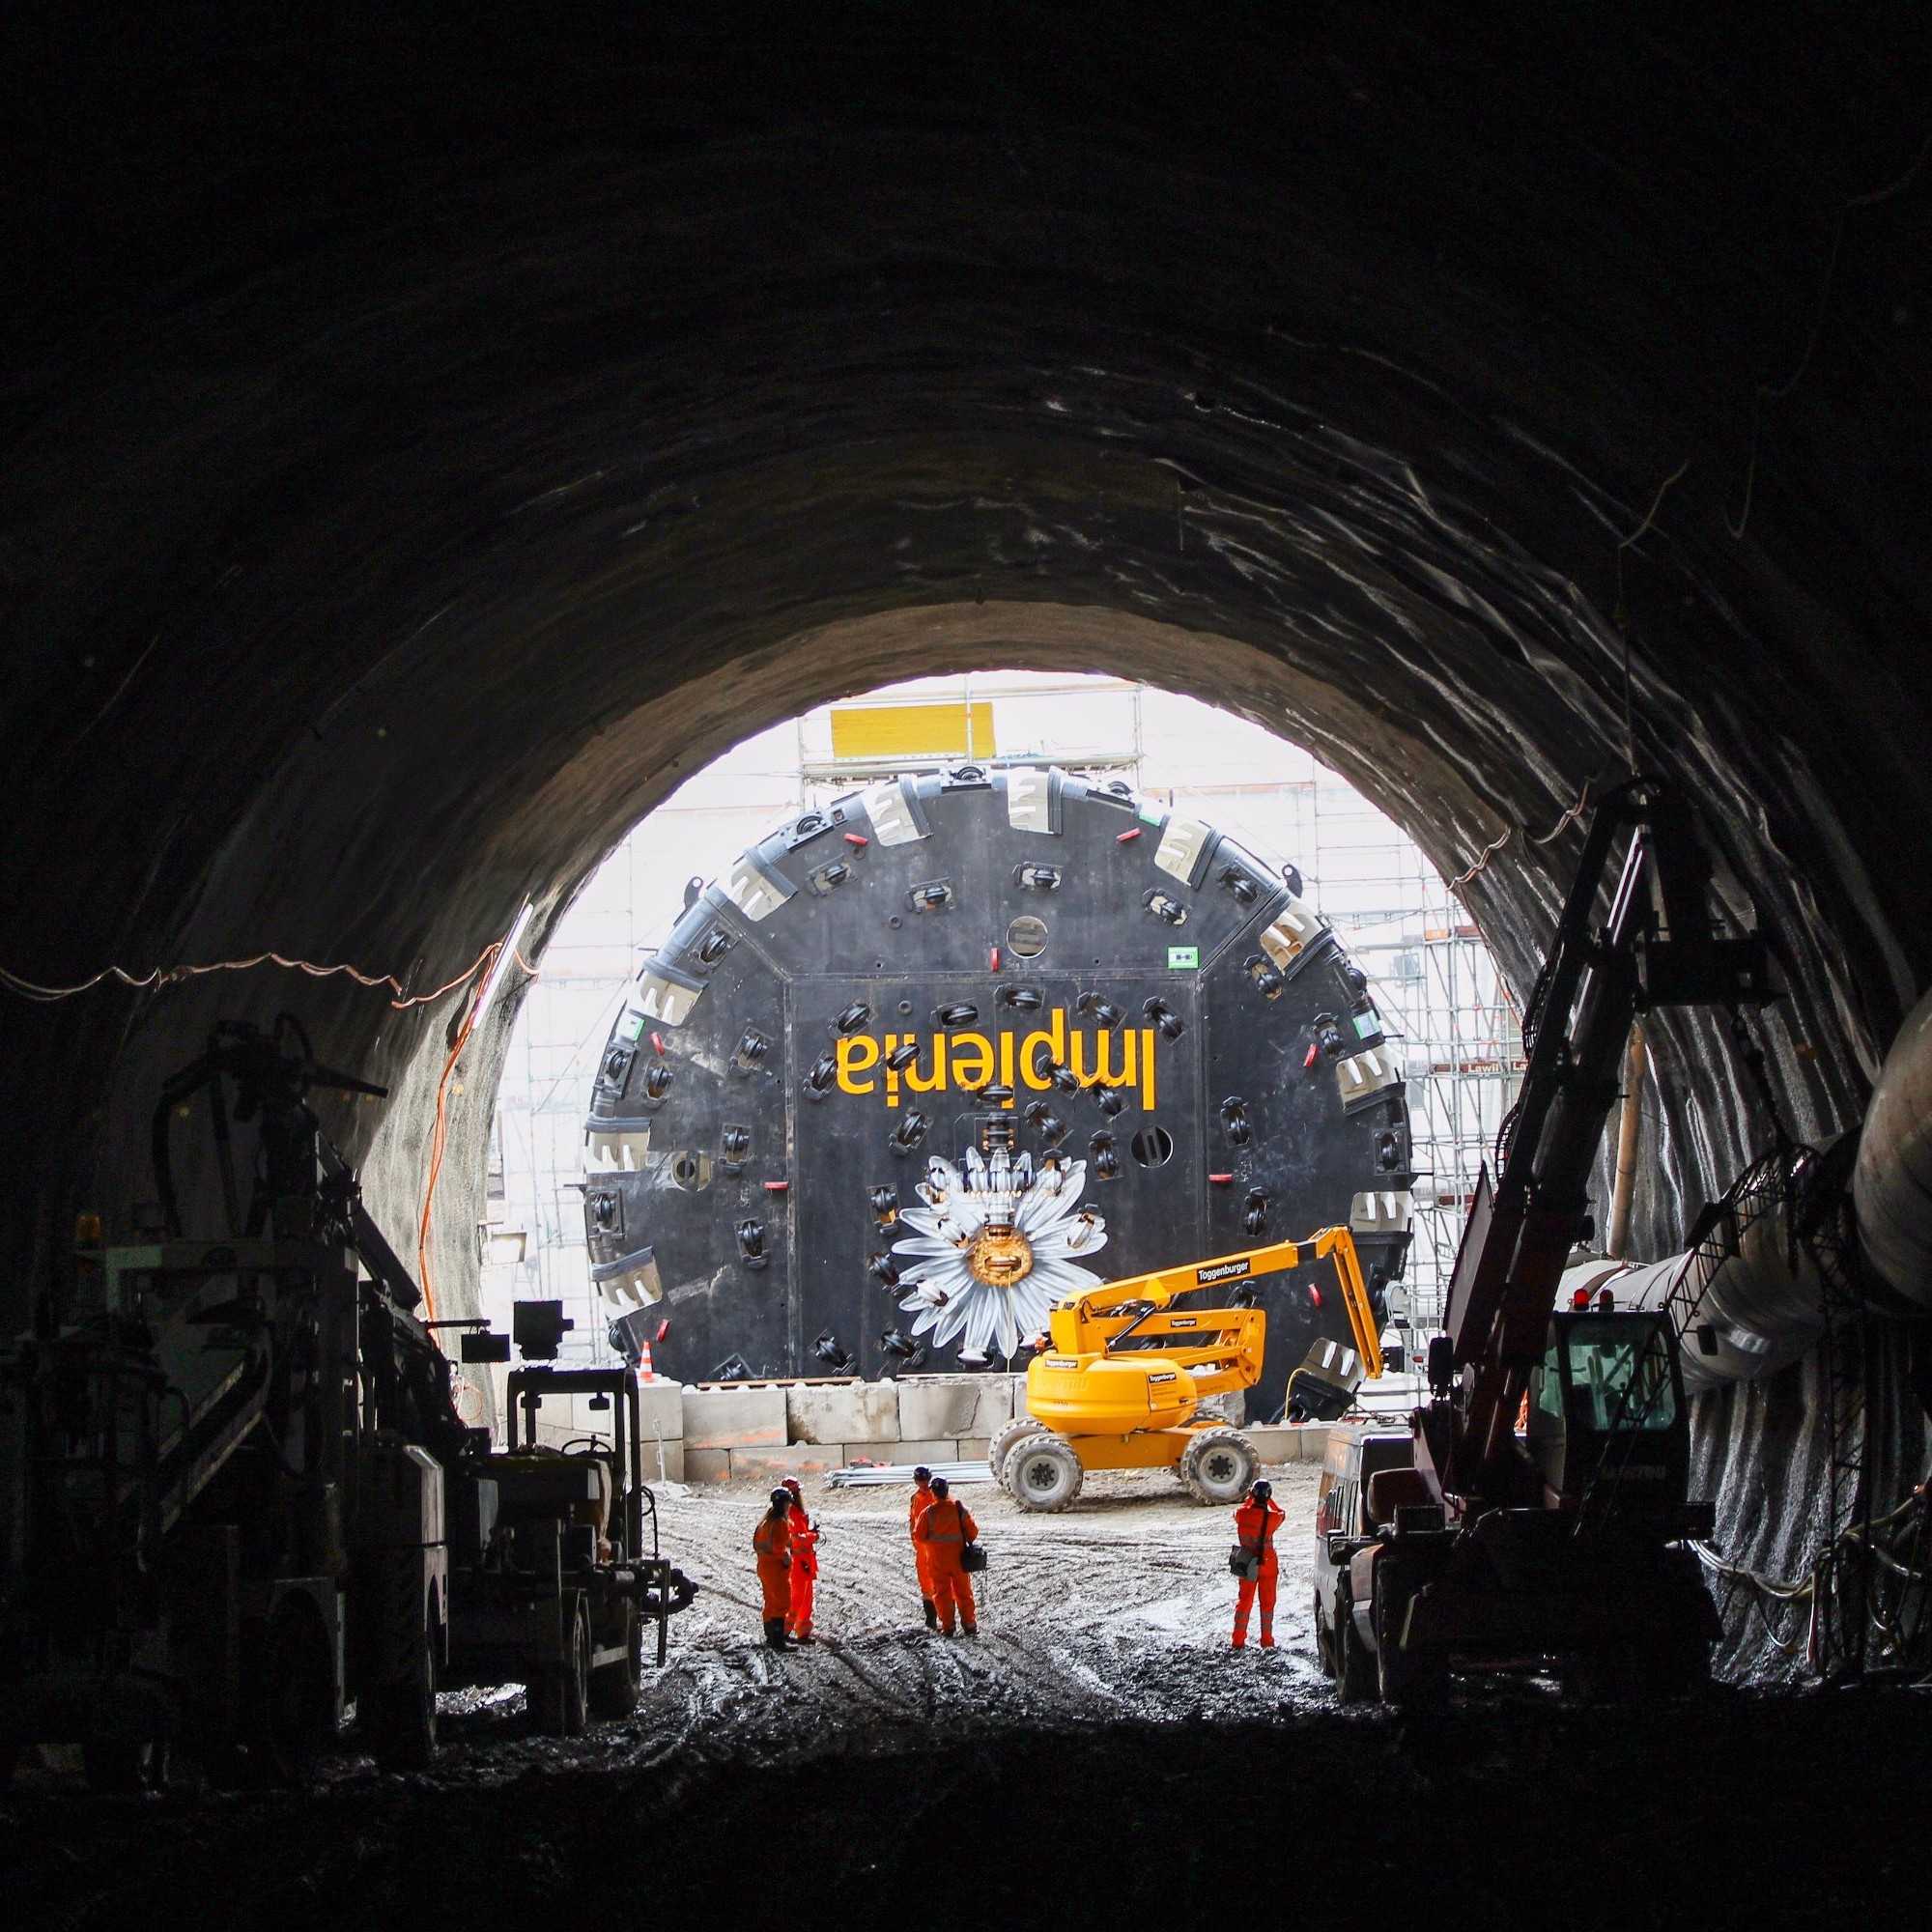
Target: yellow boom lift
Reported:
point(1124, 1372)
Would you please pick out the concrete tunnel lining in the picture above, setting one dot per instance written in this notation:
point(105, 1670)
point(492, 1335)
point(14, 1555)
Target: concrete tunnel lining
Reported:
point(367, 538)
point(486, 460)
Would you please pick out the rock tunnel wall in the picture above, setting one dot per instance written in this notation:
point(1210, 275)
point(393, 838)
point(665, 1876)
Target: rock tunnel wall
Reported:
point(423, 450)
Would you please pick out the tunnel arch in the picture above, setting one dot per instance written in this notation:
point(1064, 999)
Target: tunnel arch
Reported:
point(359, 529)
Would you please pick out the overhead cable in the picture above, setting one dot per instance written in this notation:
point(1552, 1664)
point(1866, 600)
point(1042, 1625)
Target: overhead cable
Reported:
point(168, 976)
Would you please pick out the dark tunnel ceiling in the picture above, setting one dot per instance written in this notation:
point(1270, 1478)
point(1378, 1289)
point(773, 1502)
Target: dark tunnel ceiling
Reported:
point(423, 450)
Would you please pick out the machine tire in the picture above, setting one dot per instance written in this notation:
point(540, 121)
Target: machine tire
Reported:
point(124, 1765)
point(291, 1696)
point(559, 1696)
point(1354, 1668)
point(614, 1688)
point(1007, 1441)
point(1046, 1474)
point(1404, 1682)
point(1325, 1642)
point(401, 1716)
point(1219, 1467)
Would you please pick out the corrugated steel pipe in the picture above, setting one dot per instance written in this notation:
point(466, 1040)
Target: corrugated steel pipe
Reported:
point(1892, 1185)
point(1757, 1309)
point(1760, 1308)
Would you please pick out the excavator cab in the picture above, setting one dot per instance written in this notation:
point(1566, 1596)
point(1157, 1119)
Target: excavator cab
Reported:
point(1608, 1419)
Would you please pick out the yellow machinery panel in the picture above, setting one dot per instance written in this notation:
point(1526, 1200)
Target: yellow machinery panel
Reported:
point(869, 732)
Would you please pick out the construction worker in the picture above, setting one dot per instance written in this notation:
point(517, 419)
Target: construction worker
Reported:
point(1256, 1522)
point(922, 1501)
point(944, 1529)
point(804, 1565)
point(772, 1541)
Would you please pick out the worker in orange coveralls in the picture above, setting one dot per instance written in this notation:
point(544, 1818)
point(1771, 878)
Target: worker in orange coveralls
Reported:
point(1256, 1522)
point(804, 1565)
point(944, 1529)
point(922, 1501)
point(772, 1541)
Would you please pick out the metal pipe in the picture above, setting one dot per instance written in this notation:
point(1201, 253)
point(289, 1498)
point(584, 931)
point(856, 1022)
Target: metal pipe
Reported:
point(1758, 1309)
point(1630, 1142)
point(1892, 1184)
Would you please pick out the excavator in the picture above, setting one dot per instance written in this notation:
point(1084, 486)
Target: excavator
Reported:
point(1542, 1521)
point(1122, 1374)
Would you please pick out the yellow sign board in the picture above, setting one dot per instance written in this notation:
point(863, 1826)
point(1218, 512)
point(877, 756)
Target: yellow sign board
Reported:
point(869, 732)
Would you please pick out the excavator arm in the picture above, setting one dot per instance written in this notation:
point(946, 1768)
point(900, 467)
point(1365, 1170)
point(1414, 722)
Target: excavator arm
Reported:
point(1657, 947)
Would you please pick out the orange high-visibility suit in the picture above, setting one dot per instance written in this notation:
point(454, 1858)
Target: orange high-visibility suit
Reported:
point(803, 1572)
point(943, 1530)
point(772, 1541)
point(922, 1500)
point(1255, 1526)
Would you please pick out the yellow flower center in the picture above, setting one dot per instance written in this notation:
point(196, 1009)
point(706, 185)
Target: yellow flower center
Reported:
point(1000, 1255)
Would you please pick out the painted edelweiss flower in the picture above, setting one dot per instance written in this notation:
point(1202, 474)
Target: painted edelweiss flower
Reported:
point(994, 1247)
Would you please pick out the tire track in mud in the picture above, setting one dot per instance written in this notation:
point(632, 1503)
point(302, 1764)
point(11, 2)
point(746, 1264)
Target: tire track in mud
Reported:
point(1116, 1610)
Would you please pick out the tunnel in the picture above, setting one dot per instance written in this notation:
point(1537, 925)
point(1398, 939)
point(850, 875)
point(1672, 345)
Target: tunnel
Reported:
point(428, 445)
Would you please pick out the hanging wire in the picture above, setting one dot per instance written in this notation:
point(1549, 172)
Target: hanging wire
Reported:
point(1778, 392)
point(1509, 832)
point(169, 976)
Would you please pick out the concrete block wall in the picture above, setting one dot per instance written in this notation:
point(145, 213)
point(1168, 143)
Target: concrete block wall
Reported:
point(763, 1431)
point(825, 1413)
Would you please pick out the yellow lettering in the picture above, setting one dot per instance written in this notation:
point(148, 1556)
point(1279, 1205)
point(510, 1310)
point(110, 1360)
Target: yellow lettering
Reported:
point(980, 1056)
point(1054, 1038)
point(937, 1084)
point(1102, 1072)
point(892, 1074)
point(856, 1053)
point(1147, 1069)
point(1129, 1056)
point(1007, 1068)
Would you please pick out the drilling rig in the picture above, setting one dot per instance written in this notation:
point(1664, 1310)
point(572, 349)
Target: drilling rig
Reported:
point(236, 1494)
point(1543, 1519)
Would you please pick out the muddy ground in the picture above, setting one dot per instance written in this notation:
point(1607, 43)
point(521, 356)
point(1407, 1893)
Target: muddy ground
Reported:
point(1098, 1752)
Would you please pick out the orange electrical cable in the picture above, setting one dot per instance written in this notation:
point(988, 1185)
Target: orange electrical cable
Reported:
point(440, 1134)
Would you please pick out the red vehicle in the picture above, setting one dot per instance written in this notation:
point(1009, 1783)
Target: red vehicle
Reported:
point(1563, 1545)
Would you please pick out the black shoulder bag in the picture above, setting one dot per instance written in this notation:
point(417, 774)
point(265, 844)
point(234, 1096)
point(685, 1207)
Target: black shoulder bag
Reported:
point(971, 1558)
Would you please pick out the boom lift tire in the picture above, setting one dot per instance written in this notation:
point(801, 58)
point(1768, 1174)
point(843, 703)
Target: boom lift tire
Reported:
point(1007, 1441)
point(1219, 1467)
point(1046, 1473)
point(614, 1688)
point(560, 1697)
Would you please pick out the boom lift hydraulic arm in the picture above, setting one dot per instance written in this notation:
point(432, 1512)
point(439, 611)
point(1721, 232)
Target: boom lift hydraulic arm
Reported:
point(1121, 1379)
point(1658, 947)
point(1221, 1345)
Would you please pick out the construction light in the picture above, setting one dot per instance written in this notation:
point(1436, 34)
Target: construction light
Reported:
point(505, 1247)
point(505, 958)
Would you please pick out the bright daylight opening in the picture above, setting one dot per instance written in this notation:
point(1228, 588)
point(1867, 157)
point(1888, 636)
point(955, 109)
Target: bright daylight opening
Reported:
point(1448, 1019)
